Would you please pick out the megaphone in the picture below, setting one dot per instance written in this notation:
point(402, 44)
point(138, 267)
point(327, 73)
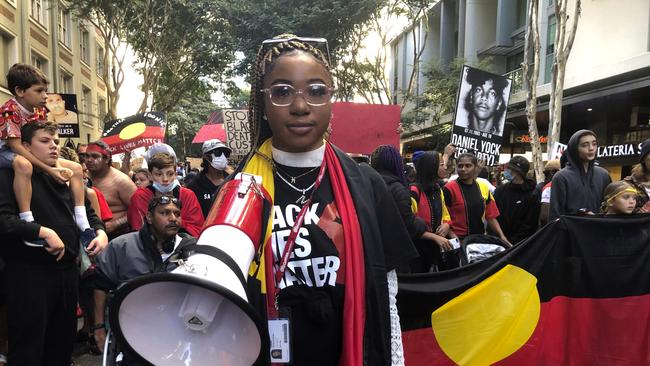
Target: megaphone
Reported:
point(199, 314)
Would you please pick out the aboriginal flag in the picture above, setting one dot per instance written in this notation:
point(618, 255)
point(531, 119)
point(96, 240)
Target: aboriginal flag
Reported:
point(576, 293)
point(126, 134)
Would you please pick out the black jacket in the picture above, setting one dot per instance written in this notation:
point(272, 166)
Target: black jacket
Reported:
point(415, 226)
point(205, 192)
point(132, 255)
point(386, 246)
point(53, 207)
point(574, 189)
point(518, 209)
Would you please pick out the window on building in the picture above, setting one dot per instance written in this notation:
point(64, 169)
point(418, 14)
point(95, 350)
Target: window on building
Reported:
point(550, 48)
point(101, 107)
point(513, 71)
point(514, 62)
point(100, 60)
point(38, 12)
point(522, 9)
point(84, 49)
point(40, 62)
point(7, 56)
point(86, 104)
point(66, 83)
point(65, 27)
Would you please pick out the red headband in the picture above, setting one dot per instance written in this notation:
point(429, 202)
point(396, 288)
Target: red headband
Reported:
point(98, 149)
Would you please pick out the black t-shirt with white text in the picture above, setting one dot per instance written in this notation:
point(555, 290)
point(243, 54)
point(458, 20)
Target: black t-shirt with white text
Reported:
point(313, 284)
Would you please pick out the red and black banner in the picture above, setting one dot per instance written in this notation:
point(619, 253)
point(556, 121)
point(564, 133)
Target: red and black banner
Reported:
point(139, 130)
point(576, 293)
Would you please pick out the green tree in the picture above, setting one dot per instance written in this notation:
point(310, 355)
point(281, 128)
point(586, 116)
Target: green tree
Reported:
point(361, 70)
point(236, 97)
point(185, 119)
point(256, 20)
point(111, 19)
point(176, 42)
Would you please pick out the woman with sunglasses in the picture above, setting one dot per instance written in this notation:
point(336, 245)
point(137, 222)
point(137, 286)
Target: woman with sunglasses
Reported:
point(213, 172)
point(334, 291)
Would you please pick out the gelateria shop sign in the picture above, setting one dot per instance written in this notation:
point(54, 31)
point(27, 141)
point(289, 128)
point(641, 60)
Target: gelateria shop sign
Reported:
point(619, 151)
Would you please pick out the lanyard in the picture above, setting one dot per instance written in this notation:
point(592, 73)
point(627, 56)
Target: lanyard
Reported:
point(288, 248)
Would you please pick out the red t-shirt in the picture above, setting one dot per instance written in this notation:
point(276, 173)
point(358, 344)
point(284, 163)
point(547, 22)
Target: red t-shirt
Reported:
point(13, 116)
point(191, 216)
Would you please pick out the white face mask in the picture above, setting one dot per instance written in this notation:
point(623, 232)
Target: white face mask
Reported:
point(166, 188)
point(219, 162)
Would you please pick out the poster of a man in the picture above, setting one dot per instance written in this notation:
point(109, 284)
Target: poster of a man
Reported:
point(483, 101)
point(481, 113)
point(62, 108)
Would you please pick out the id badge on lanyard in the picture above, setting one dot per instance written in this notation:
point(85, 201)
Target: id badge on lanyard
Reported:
point(280, 337)
point(279, 318)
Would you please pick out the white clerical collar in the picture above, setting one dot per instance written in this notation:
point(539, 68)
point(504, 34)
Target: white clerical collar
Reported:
point(299, 160)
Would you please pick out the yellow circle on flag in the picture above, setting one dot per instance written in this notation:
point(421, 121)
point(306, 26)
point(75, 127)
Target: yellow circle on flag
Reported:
point(489, 321)
point(132, 130)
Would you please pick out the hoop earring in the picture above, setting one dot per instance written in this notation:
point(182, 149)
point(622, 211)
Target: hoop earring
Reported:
point(264, 117)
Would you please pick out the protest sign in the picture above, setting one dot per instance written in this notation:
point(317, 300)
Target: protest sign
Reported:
point(360, 128)
point(558, 149)
point(237, 132)
point(62, 110)
point(480, 114)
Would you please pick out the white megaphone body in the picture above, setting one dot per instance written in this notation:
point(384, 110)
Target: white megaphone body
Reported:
point(199, 314)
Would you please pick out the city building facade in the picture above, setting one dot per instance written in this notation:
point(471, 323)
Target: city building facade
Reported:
point(70, 51)
point(607, 83)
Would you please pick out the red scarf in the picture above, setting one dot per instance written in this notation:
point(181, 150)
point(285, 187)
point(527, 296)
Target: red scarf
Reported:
point(354, 306)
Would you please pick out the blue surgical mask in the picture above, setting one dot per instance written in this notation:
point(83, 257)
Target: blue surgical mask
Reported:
point(507, 174)
point(165, 188)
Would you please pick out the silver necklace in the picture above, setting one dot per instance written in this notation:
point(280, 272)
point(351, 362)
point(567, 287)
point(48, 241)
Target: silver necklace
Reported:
point(302, 199)
point(293, 179)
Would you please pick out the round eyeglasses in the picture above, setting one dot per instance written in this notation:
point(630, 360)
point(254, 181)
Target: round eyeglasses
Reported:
point(282, 95)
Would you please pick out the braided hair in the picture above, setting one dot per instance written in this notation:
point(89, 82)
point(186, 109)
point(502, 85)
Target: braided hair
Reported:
point(264, 63)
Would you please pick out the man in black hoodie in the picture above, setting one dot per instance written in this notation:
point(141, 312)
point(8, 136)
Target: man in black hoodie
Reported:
point(578, 188)
point(41, 282)
point(518, 201)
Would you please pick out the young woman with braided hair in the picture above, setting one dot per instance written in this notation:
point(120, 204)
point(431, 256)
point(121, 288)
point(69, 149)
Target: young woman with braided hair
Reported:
point(334, 291)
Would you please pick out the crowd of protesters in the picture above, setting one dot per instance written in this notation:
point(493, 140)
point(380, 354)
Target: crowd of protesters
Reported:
point(93, 226)
point(444, 207)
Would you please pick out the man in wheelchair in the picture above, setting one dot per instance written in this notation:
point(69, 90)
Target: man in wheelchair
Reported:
point(138, 253)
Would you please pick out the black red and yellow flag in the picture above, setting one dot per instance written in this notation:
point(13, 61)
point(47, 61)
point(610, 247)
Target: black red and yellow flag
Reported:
point(576, 293)
point(126, 134)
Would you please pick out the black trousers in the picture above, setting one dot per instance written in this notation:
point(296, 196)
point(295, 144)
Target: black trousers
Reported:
point(41, 315)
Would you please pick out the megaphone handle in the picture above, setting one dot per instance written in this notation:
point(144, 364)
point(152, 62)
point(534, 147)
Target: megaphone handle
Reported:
point(220, 255)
